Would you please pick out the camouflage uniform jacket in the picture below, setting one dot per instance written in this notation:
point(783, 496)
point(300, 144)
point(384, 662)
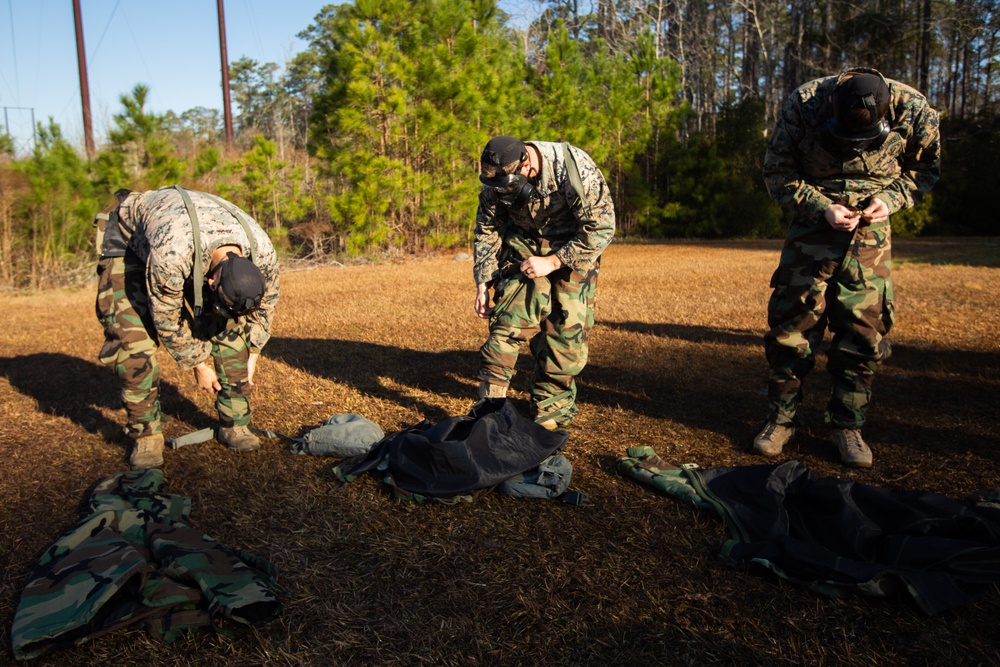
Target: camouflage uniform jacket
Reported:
point(802, 175)
point(576, 231)
point(132, 559)
point(161, 237)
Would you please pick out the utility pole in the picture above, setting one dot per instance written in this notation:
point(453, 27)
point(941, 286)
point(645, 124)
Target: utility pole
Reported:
point(81, 59)
point(227, 112)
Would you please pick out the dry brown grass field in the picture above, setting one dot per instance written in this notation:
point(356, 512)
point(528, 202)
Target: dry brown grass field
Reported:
point(631, 579)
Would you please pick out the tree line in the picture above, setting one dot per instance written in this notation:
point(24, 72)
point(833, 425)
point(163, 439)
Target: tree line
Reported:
point(367, 142)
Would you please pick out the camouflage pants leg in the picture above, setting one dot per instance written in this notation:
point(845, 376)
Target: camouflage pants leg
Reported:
point(519, 306)
point(561, 347)
point(130, 340)
point(860, 317)
point(819, 284)
point(230, 352)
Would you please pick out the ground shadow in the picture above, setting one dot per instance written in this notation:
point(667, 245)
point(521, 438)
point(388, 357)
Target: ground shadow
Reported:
point(70, 387)
point(366, 366)
point(938, 400)
point(695, 386)
point(694, 334)
point(968, 251)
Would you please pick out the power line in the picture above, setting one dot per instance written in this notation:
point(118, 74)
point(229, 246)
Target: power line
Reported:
point(254, 30)
point(13, 49)
point(149, 75)
point(90, 60)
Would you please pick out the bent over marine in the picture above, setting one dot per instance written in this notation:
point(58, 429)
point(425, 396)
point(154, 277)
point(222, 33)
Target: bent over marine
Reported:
point(191, 271)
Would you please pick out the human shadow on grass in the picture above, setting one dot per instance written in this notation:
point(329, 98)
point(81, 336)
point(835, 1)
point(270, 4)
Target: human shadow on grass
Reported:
point(694, 386)
point(924, 401)
point(385, 372)
point(691, 333)
point(76, 389)
point(366, 367)
point(960, 399)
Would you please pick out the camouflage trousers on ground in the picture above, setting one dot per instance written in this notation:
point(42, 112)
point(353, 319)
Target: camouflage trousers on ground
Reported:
point(135, 558)
point(829, 279)
point(553, 315)
point(130, 349)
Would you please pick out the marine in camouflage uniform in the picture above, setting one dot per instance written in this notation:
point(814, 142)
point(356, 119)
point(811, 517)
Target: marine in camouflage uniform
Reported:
point(146, 297)
point(841, 182)
point(538, 244)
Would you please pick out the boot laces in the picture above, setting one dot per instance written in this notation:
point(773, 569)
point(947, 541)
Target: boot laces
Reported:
point(145, 445)
point(852, 438)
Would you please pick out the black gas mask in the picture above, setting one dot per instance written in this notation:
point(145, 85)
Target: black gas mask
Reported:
point(858, 89)
point(238, 287)
point(514, 192)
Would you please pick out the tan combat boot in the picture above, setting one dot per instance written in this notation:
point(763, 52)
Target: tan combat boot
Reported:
point(490, 390)
point(773, 438)
point(238, 438)
point(853, 450)
point(147, 452)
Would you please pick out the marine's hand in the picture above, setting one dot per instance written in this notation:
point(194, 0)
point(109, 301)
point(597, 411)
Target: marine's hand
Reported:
point(539, 267)
point(842, 218)
point(482, 305)
point(876, 211)
point(205, 377)
point(251, 366)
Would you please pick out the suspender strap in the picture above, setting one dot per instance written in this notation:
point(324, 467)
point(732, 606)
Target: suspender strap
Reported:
point(198, 273)
point(574, 176)
point(198, 276)
point(206, 434)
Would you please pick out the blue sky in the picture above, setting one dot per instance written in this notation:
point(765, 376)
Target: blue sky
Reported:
point(170, 45)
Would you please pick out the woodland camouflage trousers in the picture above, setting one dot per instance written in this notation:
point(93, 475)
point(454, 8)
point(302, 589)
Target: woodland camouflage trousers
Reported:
point(829, 279)
point(554, 315)
point(130, 344)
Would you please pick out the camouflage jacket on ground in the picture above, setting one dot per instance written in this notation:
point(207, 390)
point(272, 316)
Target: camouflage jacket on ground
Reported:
point(576, 231)
point(134, 558)
point(804, 176)
point(160, 231)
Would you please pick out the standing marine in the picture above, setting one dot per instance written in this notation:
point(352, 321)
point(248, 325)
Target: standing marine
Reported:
point(545, 216)
point(191, 271)
point(846, 152)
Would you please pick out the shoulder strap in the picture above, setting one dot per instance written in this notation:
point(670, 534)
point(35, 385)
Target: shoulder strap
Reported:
point(198, 273)
point(574, 176)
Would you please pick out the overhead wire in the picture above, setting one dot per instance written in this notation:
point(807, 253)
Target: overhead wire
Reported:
point(248, 4)
point(90, 58)
point(13, 48)
point(149, 75)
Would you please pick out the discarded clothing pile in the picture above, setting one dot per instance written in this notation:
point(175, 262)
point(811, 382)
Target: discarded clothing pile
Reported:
point(457, 458)
point(833, 534)
point(132, 559)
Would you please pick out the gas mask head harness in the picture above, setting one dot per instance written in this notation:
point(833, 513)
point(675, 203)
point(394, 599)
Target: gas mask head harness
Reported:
point(237, 287)
point(861, 100)
point(513, 190)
